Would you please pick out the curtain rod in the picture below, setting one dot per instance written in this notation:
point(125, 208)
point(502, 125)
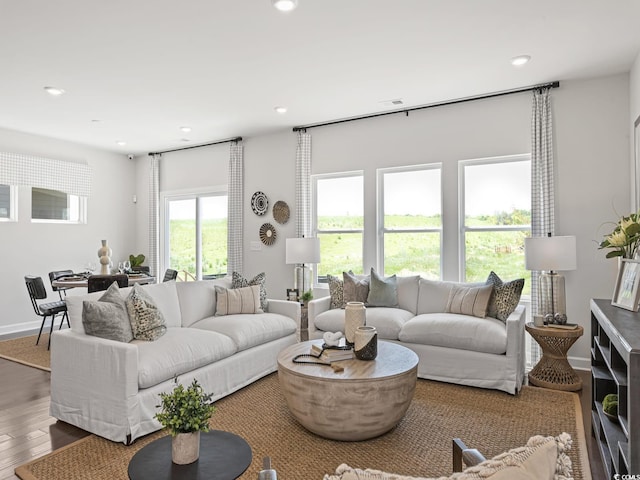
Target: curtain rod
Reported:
point(236, 139)
point(432, 105)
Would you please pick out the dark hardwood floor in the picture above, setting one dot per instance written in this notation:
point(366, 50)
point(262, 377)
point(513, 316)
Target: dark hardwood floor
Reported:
point(27, 431)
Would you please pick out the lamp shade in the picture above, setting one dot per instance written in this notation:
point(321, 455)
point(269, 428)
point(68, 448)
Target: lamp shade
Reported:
point(550, 253)
point(303, 250)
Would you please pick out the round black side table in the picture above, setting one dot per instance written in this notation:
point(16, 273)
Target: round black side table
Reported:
point(223, 456)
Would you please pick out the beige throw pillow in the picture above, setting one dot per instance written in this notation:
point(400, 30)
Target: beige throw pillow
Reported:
point(238, 300)
point(469, 300)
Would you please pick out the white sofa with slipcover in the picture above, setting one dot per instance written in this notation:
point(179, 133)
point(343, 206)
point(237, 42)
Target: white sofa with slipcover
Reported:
point(480, 351)
point(111, 388)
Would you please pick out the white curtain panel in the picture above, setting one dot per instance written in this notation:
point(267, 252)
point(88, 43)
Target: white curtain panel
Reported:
point(154, 214)
point(542, 185)
point(235, 208)
point(73, 178)
point(303, 185)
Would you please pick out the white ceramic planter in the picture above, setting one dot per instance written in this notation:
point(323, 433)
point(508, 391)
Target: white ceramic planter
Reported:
point(185, 448)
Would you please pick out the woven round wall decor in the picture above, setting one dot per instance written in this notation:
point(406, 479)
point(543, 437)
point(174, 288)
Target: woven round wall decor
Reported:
point(281, 212)
point(267, 234)
point(259, 203)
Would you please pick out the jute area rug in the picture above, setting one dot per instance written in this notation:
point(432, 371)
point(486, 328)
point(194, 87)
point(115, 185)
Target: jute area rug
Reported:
point(25, 351)
point(420, 445)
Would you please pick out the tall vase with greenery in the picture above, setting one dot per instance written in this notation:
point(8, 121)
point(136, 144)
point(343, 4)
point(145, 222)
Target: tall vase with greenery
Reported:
point(185, 412)
point(624, 240)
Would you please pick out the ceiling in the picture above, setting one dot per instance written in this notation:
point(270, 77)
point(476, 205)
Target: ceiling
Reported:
point(137, 70)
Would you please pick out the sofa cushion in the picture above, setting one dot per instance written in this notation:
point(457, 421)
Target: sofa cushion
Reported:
point(451, 330)
point(178, 351)
point(198, 299)
point(433, 295)
point(247, 330)
point(165, 297)
point(388, 321)
point(147, 321)
point(238, 281)
point(408, 293)
point(469, 300)
point(336, 291)
point(505, 297)
point(233, 301)
point(383, 291)
point(356, 287)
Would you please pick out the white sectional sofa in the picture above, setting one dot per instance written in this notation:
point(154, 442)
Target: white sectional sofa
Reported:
point(111, 388)
point(463, 349)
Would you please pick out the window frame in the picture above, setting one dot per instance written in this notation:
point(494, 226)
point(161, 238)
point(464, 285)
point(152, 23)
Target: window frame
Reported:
point(13, 205)
point(82, 209)
point(315, 231)
point(380, 212)
point(462, 254)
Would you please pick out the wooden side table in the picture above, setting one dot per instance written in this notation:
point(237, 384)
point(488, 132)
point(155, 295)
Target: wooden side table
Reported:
point(553, 369)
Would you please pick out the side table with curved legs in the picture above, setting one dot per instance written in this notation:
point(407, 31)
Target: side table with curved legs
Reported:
point(553, 369)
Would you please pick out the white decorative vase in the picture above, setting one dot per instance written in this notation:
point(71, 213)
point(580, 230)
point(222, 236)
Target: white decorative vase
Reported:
point(185, 448)
point(366, 344)
point(104, 254)
point(354, 317)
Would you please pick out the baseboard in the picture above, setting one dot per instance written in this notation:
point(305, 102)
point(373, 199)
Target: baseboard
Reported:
point(580, 363)
point(24, 329)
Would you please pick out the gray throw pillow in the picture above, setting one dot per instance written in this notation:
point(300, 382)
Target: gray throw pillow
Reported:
point(356, 287)
point(147, 322)
point(336, 292)
point(107, 317)
point(472, 301)
point(238, 281)
point(505, 296)
point(383, 292)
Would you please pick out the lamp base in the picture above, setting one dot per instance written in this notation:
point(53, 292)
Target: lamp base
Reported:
point(551, 298)
point(303, 278)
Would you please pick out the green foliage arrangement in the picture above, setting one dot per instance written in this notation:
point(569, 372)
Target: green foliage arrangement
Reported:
point(307, 296)
point(136, 260)
point(625, 238)
point(186, 410)
point(610, 404)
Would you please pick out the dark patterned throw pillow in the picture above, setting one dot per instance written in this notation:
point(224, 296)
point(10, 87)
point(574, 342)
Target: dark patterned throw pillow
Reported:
point(505, 296)
point(336, 292)
point(147, 321)
point(238, 281)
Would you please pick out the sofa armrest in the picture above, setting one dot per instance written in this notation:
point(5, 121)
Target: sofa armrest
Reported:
point(515, 331)
point(286, 308)
point(316, 307)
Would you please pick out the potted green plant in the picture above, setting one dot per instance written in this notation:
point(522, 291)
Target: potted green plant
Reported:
point(185, 412)
point(136, 260)
point(306, 297)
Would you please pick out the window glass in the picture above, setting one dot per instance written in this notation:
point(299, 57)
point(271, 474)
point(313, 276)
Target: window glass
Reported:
point(213, 214)
point(5, 202)
point(53, 205)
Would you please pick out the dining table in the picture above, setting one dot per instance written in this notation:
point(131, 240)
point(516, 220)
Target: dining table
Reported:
point(80, 280)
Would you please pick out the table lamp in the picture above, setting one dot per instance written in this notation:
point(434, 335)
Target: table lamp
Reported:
point(548, 255)
point(302, 252)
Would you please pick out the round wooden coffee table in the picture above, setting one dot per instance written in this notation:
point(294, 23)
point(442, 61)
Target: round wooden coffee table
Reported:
point(364, 401)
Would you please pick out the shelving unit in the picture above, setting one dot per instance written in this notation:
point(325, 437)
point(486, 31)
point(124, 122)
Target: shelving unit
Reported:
point(615, 368)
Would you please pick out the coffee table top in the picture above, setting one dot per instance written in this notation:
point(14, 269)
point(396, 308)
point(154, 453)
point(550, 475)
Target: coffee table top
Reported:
point(392, 360)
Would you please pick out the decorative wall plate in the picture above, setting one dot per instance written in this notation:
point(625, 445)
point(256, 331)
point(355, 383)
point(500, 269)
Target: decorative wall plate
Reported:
point(259, 203)
point(267, 234)
point(281, 212)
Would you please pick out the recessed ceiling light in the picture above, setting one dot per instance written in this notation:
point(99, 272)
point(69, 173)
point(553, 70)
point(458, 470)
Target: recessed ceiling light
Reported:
point(520, 60)
point(185, 129)
point(54, 91)
point(185, 140)
point(280, 109)
point(121, 143)
point(285, 5)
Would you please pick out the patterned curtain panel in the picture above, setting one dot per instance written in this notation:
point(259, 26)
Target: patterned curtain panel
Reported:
point(154, 214)
point(235, 207)
point(542, 185)
point(303, 185)
point(69, 177)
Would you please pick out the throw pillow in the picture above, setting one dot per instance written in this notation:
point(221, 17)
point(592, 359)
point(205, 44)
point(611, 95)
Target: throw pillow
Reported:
point(383, 292)
point(505, 297)
point(238, 281)
point(336, 292)
point(238, 300)
point(147, 321)
point(107, 317)
point(469, 300)
point(356, 287)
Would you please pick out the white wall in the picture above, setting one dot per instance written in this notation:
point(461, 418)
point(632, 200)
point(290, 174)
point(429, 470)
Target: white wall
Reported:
point(37, 249)
point(634, 111)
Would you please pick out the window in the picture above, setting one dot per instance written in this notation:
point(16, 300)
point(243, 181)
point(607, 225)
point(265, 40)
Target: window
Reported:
point(410, 216)
point(196, 234)
point(55, 206)
point(339, 220)
point(7, 203)
point(496, 217)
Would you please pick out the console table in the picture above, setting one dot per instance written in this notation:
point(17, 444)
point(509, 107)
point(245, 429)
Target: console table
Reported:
point(615, 368)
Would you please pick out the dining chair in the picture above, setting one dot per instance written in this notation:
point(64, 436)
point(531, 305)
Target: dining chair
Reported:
point(97, 283)
point(35, 287)
point(170, 275)
point(55, 276)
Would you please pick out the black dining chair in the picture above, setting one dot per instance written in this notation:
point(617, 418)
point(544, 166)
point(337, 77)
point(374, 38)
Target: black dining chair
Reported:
point(35, 287)
point(53, 276)
point(97, 283)
point(170, 275)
